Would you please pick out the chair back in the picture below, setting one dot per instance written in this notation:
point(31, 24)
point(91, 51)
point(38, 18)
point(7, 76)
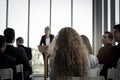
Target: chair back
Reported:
point(97, 78)
point(89, 78)
point(117, 74)
point(30, 62)
point(110, 74)
point(94, 72)
point(6, 73)
point(19, 69)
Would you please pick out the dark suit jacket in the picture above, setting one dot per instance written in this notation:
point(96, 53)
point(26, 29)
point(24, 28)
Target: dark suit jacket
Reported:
point(8, 62)
point(104, 53)
point(28, 51)
point(104, 57)
point(43, 39)
point(20, 55)
point(115, 55)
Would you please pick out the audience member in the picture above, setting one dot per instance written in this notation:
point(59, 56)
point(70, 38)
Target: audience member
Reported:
point(116, 49)
point(116, 52)
point(92, 59)
point(104, 53)
point(5, 60)
point(18, 53)
point(69, 57)
point(19, 43)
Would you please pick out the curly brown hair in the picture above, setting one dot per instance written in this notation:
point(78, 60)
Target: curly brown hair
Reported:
point(70, 54)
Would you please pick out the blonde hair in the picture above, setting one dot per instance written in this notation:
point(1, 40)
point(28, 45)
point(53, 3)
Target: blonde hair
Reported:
point(87, 44)
point(47, 28)
point(71, 56)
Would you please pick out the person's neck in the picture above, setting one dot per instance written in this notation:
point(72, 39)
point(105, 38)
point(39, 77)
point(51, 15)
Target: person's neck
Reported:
point(107, 44)
point(47, 36)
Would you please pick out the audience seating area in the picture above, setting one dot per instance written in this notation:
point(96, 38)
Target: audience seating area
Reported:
point(7, 73)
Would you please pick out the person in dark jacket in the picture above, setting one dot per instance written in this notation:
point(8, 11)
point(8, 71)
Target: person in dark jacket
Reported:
point(5, 60)
point(104, 53)
point(28, 50)
point(46, 40)
point(18, 53)
point(19, 43)
point(116, 49)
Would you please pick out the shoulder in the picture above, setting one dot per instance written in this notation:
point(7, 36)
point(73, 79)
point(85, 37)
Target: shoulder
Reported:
point(9, 59)
point(93, 58)
point(28, 49)
point(43, 36)
point(20, 48)
point(51, 35)
point(93, 61)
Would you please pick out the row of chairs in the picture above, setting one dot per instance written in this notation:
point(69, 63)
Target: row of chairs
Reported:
point(78, 78)
point(89, 78)
point(113, 74)
point(7, 73)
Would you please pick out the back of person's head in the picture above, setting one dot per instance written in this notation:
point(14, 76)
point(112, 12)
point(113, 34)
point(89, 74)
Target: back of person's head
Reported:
point(2, 42)
point(110, 35)
point(70, 58)
point(117, 33)
point(117, 27)
point(9, 33)
point(87, 43)
point(19, 41)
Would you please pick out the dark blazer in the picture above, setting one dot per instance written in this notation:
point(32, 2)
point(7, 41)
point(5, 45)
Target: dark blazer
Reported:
point(104, 57)
point(28, 51)
point(104, 53)
point(43, 39)
point(115, 55)
point(8, 62)
point(21, 58)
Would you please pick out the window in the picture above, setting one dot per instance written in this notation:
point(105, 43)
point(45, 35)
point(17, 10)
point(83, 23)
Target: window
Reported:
point(39, 19)
point(116, 11)
point(61, 15)
point(82, 17)
point(17, 18)
point(3, 16)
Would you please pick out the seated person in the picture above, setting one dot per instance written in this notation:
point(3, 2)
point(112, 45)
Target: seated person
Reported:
point(104, 53)
point(17, 52)
point(69, 56)
point(92, 59)
point(5, 60)
point(19, 43)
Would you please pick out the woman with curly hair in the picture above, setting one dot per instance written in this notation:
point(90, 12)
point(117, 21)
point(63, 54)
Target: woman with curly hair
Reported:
point(69, 57)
